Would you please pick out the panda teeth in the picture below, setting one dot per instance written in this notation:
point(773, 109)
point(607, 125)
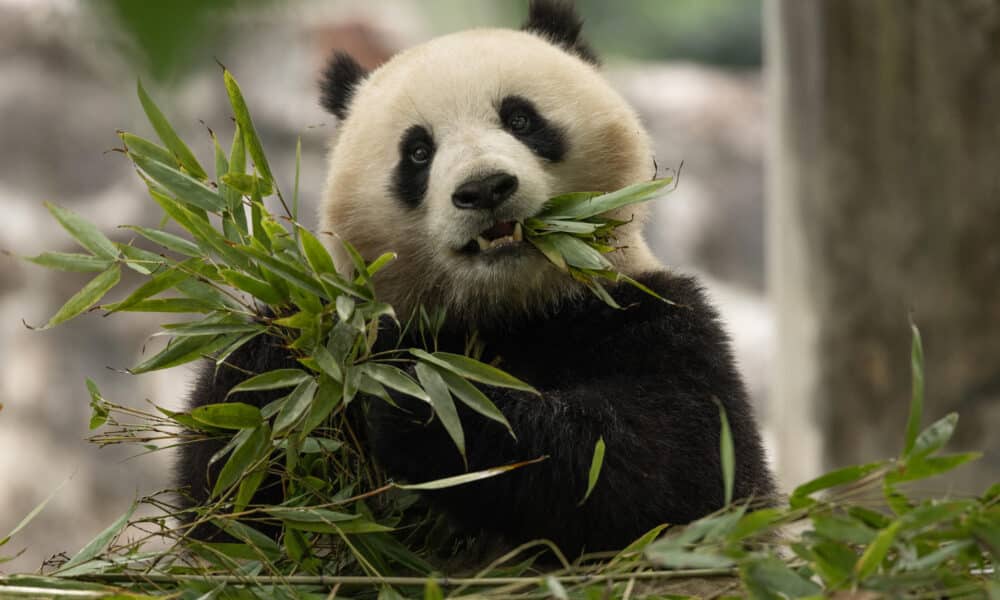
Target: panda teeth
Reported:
point(516, 236)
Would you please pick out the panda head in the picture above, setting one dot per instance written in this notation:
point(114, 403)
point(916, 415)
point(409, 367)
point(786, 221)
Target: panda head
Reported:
point(444, 150)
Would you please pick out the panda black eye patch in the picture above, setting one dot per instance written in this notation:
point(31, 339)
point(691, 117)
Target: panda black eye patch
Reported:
point(520, 118)
point(412, 172)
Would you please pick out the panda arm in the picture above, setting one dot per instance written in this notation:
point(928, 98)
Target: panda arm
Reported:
point(643, 379)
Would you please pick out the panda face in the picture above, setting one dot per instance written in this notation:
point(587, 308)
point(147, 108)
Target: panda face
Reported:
point(444, 152)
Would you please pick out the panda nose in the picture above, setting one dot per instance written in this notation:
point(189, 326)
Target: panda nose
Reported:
point(485, 193)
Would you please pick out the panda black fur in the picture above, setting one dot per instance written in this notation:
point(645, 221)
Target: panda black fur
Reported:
point(439, 153)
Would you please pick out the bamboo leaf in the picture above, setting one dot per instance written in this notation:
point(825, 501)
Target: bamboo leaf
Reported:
point(168, 241)
point(170, 305)
point(272, 380)
point(582, 207)
point(934, 437)
point(228, 415)
point(578, 253)
point(168, 136)
point(917, 391)
point(158, 283)
point(447, 482)
point(242, 115)
point(395, 378)
point(873, 556)
point(316, 254)
point(771, 578)
point(473, 369)
point(726, 453)
point(474, 398)
point(254, 448)
point(595, 468)
point(257, 288)
point(99, 543)
point(185, 188)
point(85, 233)
point(444, 407)
point(832, 479)
point(295, 407)
point(67, 261)
point(137, 145)
point(181, 351)
point(87, 297)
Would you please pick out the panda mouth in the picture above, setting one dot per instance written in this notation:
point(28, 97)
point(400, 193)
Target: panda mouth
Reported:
point(500, 235)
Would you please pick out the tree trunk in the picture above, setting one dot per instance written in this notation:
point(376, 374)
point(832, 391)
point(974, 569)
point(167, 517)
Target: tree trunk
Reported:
point(884, 201)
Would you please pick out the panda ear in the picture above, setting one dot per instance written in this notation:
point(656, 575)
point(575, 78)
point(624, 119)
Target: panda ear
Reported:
point(557, 21)
point(340, 79)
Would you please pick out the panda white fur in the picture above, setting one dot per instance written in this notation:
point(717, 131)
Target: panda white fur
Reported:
point(439, 154)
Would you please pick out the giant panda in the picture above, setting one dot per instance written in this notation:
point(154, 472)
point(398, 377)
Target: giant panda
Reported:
point(440, 154)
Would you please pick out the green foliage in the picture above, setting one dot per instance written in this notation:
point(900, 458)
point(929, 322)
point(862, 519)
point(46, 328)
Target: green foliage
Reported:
point(342, 526)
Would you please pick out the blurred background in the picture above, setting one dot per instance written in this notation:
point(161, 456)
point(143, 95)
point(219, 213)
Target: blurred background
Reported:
point(840, 175)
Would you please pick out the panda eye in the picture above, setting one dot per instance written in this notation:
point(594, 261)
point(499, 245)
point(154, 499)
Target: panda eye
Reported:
point(519, 122)
point(420, 154)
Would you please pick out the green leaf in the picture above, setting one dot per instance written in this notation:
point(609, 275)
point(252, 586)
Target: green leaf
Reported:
point(295, 407)
point(595, 468)
point(583, 207)
point(248, 487)
point(159, 282)
point(432, 591)
point(394, 378)
point(272, 380)
point(137, 145)
point(170, 305)
point(203, 328)
point(842, 528)
point(168, 241)
point(315, 252)
point(379, 263)
point(471, 368)
point(832, 479)
point(181, 351)
point(228, 415)
point(917, 394)
point(260, 290)
point(549, 250)
point(447, 482)
point(475, 399)
point(98, 406)
point(680, 558)
point(934, 437)
point(255, 448)
point(87, 297)
point(168, 136)
point(328, 397)
point(248, 184)
point(289, 271)
point(726, 453)
point(99, 543)
point(185, 188)
point(32, 514)
point(345, 307)
point(930, 466)
point(242, 115)
point(578, 253)
point(444, 407)
point(768, 577)
point(66, 261)
point(875, 553)
point(85, 233)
